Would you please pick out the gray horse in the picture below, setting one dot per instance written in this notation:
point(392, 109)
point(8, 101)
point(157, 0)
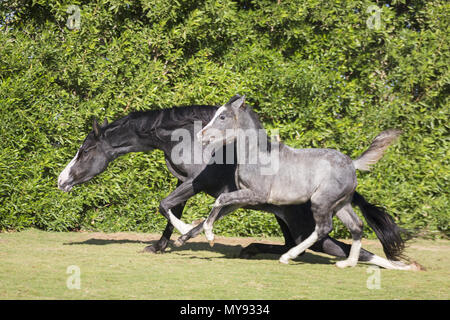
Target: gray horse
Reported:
point(271, 172)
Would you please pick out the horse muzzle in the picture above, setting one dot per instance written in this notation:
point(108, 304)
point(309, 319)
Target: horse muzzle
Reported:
point(64, 182)
point(66, 187)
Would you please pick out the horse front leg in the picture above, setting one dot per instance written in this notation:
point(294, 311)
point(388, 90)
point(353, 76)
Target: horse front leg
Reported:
point(172, 205)
point(237, 199)
point(162, 243)
point(195, 231)
point(177, 197)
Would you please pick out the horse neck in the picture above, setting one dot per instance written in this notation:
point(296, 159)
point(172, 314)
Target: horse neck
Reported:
point(146, 131)
point(252, 140)
point(129, 135)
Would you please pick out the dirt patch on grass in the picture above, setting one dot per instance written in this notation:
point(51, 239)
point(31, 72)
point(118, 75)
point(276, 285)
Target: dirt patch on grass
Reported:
point(430, 248)
point(124, 236)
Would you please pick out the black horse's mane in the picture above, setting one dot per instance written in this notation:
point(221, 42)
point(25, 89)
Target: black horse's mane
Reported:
point(168, 119)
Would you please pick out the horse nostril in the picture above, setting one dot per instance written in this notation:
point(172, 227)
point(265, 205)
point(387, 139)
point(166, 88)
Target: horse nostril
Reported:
point(60, 186)
point(64, 187)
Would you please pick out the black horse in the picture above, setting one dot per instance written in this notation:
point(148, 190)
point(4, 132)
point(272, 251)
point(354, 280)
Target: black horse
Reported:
point(156, 129)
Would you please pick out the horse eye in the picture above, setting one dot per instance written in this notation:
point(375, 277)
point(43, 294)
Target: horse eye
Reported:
point(222, 117)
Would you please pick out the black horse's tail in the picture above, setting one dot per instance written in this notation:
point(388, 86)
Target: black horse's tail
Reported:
point(391, 236)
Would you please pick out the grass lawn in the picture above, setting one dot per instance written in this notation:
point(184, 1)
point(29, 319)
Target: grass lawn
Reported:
point(34, 265)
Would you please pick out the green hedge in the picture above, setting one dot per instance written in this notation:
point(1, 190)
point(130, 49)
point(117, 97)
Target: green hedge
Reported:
point(314, 70)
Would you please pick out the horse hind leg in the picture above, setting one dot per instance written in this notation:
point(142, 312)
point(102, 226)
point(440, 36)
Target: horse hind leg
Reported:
point(324, 225)
point(298, 249)
point(355, 225)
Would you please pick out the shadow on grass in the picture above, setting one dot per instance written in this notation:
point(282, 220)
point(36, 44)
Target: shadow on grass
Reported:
point(227, 251)
point(101, 242)
point(233, 252)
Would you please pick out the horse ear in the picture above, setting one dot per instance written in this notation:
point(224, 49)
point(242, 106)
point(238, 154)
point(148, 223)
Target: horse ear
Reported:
point(239, 103)
point(233, 99)
point(105, 123)
point(96, 128)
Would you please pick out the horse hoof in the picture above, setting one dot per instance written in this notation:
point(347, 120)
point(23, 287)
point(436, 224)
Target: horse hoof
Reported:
point(211, 243)
point(150, 249)
point(210, 237)
point(415, 266)
point(178, 243)
point(345, 263)
point(284, 260)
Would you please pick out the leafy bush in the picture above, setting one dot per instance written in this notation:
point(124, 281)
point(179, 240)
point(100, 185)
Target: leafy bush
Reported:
point(315, 70)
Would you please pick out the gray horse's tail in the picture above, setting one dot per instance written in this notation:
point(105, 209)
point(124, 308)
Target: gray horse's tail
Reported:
point(376, 149)
point(391, 236)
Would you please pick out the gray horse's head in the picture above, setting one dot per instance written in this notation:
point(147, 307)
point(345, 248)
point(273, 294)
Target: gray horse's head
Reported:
point(223, 126)
point(91, 159)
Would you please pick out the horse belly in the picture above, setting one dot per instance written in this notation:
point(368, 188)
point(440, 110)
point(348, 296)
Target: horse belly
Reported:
point(286, 198)
point(289, 189)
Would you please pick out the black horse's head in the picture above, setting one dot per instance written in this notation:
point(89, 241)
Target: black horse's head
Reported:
point(91, 159)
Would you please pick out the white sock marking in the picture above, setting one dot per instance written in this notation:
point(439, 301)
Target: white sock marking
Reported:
point(182, 227)
point(388, 264)
point(295, 251)
point(353, 257)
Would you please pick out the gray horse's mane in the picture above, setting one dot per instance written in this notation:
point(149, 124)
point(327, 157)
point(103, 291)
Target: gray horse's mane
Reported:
point(259, 126)
point(254, 117)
